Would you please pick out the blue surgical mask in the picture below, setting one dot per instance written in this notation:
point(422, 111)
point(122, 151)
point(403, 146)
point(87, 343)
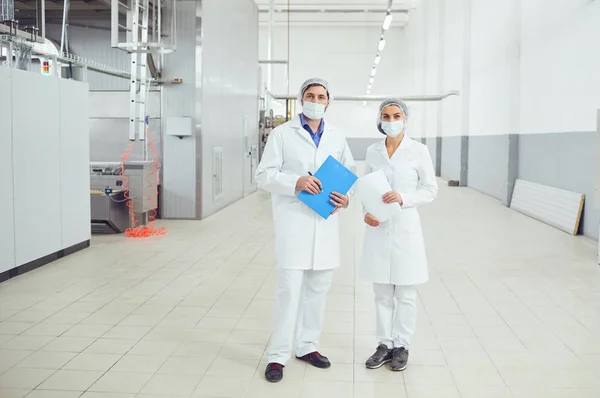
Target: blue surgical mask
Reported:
point(313, 110)
point(393, 129)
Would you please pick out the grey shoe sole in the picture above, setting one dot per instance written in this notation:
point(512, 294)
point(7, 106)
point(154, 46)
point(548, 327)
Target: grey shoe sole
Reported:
point(378, 365)
point(398, 369)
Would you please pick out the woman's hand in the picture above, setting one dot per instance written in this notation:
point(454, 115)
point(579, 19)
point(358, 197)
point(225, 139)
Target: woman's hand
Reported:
point(339, 201)
point(371, 221)
point(392, 197)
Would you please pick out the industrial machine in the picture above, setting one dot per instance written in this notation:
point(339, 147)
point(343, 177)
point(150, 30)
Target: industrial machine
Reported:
point(264, 128)
point(266, 124)
point(110, 212)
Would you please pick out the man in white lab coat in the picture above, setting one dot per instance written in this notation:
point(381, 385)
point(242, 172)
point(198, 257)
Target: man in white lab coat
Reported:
point(307, 247)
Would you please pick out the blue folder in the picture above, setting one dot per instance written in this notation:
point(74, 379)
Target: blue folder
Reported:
point(334, 177)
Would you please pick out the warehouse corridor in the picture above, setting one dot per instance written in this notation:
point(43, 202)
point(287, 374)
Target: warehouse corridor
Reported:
point(512, 310)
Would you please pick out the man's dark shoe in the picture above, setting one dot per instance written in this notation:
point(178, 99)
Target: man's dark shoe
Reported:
point(382, 356)
point(315, 359)
point(274, 372)
point(399, 359)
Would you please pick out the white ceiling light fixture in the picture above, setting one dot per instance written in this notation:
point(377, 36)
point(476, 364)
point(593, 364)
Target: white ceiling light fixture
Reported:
point(387, 22)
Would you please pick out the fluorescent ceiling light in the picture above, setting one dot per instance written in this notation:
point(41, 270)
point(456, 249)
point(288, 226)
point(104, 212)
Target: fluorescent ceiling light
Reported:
point(368, 92)
point(381, 44)
point(371, 80)
point(373, 72)
point(370, 86)
point(377, 59)
point(387, 22)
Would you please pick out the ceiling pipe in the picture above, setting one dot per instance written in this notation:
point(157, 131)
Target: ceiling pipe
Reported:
point(273, 61)
point(341, 10)
point(7, 10)
point(358, 98)
point(270, 44)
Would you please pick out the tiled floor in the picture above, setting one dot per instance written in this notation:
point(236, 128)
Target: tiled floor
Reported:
point(512, 310)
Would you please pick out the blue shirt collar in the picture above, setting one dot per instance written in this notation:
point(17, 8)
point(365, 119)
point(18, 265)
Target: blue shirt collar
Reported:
point(304, 123)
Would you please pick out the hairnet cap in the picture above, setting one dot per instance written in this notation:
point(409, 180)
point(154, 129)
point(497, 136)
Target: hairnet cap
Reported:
point(312, 82)
point(387, 102)
point(394, 101)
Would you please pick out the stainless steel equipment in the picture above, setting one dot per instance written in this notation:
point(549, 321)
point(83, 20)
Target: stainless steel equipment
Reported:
point(140, 181)
point(109, 210)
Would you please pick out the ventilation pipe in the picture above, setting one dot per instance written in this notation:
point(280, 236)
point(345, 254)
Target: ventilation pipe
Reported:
point(7, 10)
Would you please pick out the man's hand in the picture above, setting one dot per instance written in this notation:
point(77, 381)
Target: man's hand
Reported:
point(371, 221)
point(309, 184)
point(339, 201)
point(392, 197)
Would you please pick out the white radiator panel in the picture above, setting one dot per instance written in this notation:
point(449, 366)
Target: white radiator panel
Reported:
point(7, 229)
point(36, 162)
point(597, 190)
point(74, 157)
point(557, 207)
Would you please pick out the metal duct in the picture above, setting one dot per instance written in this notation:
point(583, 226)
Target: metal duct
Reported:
point(7, 10)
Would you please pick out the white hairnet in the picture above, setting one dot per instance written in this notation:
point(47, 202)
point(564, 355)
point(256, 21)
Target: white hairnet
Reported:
point(387, 102)
point(310, 82)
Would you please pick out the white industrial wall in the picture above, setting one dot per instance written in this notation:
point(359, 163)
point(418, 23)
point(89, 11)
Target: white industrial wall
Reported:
point(529, 92)
point(94, 43)
point(229, 99)
point(526, 70)
point(109, 126)
point(217, 58)
point(344, 57)
point(44, 166)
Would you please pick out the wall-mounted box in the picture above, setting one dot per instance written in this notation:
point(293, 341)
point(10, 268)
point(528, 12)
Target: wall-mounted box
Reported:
point(179, 127)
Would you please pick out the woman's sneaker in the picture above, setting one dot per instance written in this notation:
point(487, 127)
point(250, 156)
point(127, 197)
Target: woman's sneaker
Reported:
point(382, 356)
point(399, 359)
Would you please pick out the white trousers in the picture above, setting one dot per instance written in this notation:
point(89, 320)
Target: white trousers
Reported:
point(396, 310)
point(299, 304)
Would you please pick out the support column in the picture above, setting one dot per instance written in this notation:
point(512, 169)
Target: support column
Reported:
point(515, 101)
point(441, 70)
point(466, 95)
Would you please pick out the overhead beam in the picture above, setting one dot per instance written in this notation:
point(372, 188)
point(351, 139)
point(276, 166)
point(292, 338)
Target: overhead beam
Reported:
point(336, 10)
point(74, 15)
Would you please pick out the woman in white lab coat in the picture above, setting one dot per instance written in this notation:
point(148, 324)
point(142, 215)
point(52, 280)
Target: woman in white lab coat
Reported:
point(394, 251)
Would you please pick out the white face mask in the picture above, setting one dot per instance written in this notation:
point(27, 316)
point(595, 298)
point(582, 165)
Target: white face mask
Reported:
point(393, 129)
point(313, 111)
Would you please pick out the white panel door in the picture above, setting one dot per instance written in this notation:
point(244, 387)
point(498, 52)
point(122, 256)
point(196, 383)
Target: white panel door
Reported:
point(7, 231)
point(554, 206)
point(74, 162)
point(36, 163)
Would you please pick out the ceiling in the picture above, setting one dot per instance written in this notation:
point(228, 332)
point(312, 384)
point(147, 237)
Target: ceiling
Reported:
point(301, 12)
point(25, 10)
point(335, 12)
point(336, 4)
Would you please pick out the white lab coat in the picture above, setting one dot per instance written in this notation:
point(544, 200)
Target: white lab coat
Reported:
point(303, 240)
point(394, 252)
